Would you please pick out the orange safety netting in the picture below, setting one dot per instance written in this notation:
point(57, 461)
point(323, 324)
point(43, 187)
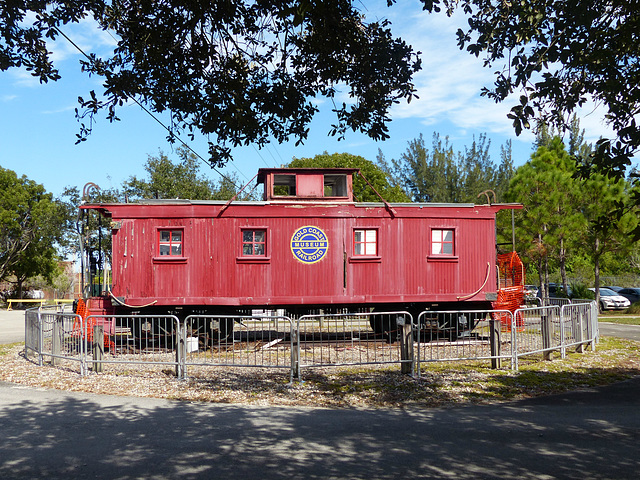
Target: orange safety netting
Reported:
point(511, 287)
point(83, 312)
point(511, 270)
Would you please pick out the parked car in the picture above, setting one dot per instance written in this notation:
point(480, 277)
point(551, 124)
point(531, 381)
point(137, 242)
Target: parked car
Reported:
point(556, 291)
point(530, 291)
point(610, 300)
point(615, 289)
point(632, 294)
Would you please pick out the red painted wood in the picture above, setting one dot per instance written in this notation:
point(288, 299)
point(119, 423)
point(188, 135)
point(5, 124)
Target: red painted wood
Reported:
point(212, 270)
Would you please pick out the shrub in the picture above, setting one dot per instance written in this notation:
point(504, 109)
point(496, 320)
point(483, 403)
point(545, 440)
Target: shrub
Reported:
point(580, 290)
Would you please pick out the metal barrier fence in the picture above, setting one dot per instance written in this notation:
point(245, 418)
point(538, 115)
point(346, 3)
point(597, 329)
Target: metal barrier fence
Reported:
point(351, 339)
point(582, 325)
point(55, 335)
point(265, 341)
point(325, 340)
point(133, 339)
point(542, 330)
point(464, 335)
point(537, 330)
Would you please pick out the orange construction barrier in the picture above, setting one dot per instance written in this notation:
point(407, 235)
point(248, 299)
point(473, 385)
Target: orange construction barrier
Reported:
point(511, 288)
point(83, 312)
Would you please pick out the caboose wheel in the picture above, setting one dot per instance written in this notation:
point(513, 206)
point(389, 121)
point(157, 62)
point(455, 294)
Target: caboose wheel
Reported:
point(226, 329)
point(221, 330)
point(385, 325)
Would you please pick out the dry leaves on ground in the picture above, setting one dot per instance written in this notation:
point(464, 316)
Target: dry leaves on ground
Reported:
point(440, 384)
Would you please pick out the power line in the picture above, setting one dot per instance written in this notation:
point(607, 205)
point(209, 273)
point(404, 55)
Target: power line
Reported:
point(261, 157)
point(152, 115)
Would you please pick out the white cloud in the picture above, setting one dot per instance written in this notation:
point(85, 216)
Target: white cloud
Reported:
point(450, 82)
point(87, 36)
point(68, 108)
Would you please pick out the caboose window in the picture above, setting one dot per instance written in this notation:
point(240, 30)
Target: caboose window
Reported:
point(365, 242)
point(170, 243)
point(284, 185)
point(254, 243)
point(335, 185)
point(442, 242)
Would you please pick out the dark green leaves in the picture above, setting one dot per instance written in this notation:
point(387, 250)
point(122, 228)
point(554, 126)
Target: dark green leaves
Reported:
point(244, 72)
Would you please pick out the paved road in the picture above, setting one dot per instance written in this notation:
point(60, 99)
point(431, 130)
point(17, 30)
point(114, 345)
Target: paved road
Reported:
point(11, 326)
point(631, 332)
point(55, 435)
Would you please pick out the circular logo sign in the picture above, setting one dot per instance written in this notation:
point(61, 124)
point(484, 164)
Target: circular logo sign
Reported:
point(309, 244)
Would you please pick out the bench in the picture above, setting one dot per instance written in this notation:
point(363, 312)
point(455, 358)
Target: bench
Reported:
point(24, 300)
point(41, 301)
point(59, 301)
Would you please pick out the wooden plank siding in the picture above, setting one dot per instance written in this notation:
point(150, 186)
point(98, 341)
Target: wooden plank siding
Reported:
point(212, 271)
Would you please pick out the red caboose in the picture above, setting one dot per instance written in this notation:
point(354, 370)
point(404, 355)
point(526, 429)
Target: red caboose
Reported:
point(307, 245)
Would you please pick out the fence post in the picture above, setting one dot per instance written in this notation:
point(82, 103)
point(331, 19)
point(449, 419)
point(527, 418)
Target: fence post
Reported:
point(494, 341)
point(56, 340)
point(181, 352)
point(98, 347)
point(406, 349)
point(579, 332)
point(593, 323)
point(295, 353)
point(545, 327)
point(40, 340)
point(28, 333)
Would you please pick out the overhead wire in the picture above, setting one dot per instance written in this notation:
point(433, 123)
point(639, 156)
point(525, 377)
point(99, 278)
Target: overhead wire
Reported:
point(152, 115)
point(275, 162)
point(259, 155)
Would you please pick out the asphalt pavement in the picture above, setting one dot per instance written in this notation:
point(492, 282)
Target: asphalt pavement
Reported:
point(630, 332)
point(11, 326)
point(592, 434)
point(51, 434)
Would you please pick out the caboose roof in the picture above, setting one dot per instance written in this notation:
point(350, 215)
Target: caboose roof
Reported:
point(263, 172)
point(307, 184)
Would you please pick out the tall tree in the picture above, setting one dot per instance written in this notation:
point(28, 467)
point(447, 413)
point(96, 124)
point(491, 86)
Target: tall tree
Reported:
point(558, 55)
point(550, 219)
point(166, 179)
point(477, 171)
point(504, 172)
point(426, 175)
point(31, 226)
point(611, 216)
point(241, 71)
point(443, 175)
point(246, 71)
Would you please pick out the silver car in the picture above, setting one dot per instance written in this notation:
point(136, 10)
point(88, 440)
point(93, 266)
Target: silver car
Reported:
point(610, 300)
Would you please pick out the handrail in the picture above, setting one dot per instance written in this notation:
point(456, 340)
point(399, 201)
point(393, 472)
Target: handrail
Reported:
point(471, 295)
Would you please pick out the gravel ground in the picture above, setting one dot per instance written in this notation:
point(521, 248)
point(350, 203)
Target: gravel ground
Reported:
point(440, 384)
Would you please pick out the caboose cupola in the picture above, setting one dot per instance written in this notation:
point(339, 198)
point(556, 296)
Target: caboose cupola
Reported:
point(317, 184)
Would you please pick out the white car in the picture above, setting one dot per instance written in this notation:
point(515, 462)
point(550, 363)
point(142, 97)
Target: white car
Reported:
point(610, 300)
point(530, 291)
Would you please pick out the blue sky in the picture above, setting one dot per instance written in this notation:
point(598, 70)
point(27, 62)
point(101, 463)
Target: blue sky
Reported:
point(38, 126)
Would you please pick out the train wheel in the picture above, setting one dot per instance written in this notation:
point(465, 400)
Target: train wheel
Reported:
point(385, 325)
point(226, 329)
point(221, 330)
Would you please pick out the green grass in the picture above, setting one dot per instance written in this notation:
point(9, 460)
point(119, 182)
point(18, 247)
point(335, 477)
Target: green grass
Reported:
point(620, 319)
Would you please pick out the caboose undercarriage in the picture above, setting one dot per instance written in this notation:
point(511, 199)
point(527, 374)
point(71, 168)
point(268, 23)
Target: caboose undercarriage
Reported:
point(216, 324)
